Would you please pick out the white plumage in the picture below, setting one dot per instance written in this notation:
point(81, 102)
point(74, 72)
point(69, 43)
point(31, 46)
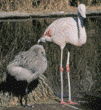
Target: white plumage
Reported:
point(67, 30)
point(28, 65)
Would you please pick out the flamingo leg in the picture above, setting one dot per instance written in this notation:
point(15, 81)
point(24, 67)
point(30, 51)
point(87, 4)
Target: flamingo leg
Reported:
point(68, 69)
point(26, 96)
point(61, 73)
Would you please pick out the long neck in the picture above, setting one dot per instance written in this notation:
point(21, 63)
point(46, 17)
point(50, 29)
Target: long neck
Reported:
point(81, 32)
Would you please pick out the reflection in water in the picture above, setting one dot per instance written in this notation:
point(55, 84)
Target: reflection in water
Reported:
point(20, 36)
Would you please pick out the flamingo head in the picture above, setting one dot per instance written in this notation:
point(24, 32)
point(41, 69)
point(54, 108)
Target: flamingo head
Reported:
point(82, 10)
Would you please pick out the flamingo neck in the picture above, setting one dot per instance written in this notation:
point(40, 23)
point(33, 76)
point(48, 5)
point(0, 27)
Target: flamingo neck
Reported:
point(81, 32)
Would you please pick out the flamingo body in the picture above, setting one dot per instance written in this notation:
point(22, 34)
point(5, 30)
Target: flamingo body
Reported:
point(65, 30)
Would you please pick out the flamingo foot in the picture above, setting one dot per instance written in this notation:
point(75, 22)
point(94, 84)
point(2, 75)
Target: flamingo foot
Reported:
point(29, 106)
point(72, 103)
point(64, 103)
point(69, 102)
point(61, 69)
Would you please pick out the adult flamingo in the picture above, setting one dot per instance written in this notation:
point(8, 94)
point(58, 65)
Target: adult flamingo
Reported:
point(67, 30)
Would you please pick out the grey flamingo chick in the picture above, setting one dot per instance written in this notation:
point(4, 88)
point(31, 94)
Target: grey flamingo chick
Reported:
point(67, 30)
point(28, 65)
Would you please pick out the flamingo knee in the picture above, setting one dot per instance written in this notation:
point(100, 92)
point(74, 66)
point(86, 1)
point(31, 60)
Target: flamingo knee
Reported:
point(67, 68)
point(61, 69)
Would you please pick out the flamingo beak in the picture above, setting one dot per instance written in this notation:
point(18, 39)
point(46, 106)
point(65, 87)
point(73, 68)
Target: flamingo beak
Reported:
point(84, 16)
point(38, 41)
